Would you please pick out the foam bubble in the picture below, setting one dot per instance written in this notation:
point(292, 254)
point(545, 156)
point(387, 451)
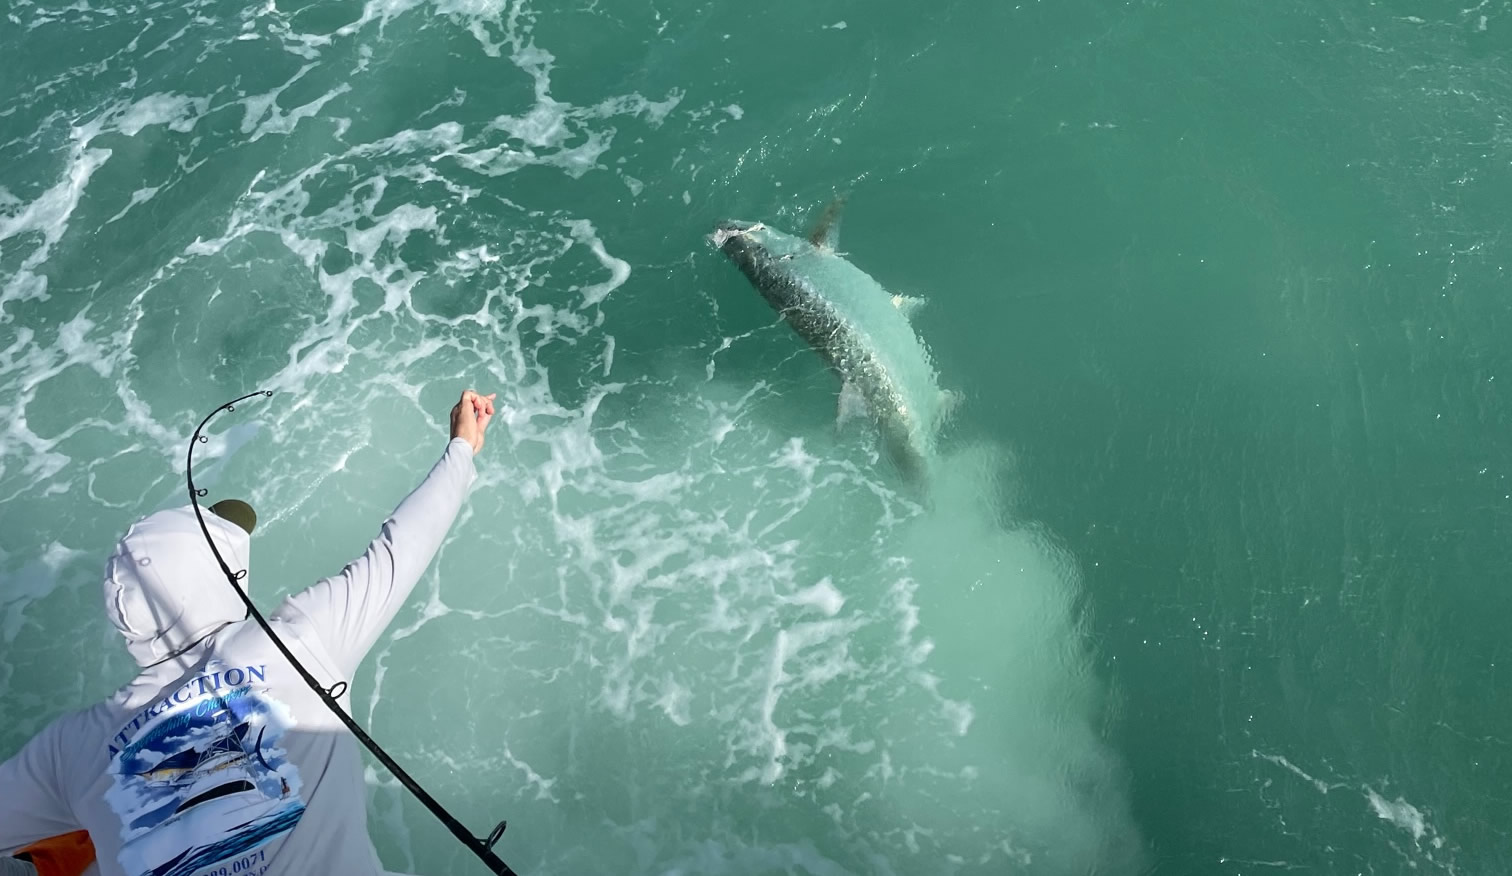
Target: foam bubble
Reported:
point(822, 596)
point(263, 116)
point(1398, 812)
point(48, 217)
point(619, 269)
point(176, 111)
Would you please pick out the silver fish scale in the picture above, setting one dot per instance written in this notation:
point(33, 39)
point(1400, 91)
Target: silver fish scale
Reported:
point(784, 274)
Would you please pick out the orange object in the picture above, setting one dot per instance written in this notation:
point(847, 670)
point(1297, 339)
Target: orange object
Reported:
point(66, 855)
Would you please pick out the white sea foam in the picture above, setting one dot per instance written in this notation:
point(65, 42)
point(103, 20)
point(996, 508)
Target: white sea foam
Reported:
point(47, 216)
point(822, 596)
point(1278, 760)
point(1399, 812)
point(32, 581)
point(175, 111)
point(263, 116)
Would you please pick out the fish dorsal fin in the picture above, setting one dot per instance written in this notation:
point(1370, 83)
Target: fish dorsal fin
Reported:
point(908, 305)
point(826, 232)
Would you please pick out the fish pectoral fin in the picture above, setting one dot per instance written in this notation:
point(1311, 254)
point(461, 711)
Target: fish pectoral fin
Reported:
point(826, 232)
point(908, 305)
point(850, 405)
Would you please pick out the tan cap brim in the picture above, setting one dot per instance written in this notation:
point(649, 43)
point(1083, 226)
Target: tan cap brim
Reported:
point(236, 511)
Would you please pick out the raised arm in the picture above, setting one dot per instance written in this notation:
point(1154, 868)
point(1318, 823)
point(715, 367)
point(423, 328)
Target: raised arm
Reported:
point(349, 611)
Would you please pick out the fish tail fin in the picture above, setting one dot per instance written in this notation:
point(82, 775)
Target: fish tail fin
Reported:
point(950, 402)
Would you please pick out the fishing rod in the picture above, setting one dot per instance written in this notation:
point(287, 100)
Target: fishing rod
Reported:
point(483, 847)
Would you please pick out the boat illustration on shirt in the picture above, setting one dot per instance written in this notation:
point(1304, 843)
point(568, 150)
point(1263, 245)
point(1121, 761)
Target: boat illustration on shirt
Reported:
point(204, 783)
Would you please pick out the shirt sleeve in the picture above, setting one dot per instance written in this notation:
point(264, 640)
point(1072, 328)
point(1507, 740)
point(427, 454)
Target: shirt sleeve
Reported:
point(348, 612)
point(33, 801)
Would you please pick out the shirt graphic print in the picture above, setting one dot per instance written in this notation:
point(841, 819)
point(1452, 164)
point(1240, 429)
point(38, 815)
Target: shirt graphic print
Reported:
point(199, 780)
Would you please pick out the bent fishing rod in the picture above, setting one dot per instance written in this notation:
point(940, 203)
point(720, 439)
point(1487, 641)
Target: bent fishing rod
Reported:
point(483, 847)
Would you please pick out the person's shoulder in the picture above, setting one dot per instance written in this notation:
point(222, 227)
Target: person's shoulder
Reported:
point(69, 739)
point(145, 688)
point(288, 622)
point(77, 720)
point(292, 627)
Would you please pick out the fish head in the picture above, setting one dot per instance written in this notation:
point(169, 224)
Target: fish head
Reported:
point(755, 247)
point(765, 255)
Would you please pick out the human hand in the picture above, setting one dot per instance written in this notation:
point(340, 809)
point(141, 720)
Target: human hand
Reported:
point(470, 416)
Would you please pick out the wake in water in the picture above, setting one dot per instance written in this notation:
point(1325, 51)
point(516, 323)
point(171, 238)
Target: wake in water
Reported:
point(1004, 600)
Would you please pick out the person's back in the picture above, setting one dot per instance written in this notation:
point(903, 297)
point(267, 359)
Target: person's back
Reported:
point(218, 757)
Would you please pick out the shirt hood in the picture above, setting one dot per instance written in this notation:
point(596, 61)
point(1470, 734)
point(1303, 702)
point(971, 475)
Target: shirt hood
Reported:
point(164, 590)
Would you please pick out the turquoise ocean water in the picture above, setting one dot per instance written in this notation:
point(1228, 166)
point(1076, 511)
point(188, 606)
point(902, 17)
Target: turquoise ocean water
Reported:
point(1213, 579)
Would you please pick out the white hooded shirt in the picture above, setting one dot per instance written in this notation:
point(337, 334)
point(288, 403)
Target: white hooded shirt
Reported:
point(218, 759)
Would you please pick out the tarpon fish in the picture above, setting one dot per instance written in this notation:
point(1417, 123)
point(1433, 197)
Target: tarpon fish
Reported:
point(859, 328)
